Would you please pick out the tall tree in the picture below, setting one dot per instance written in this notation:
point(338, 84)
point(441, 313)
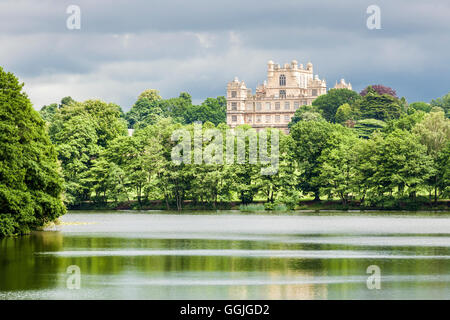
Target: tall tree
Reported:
point(311, 138)
point(81, 130)
point(339, 168)
point(30, 183)
point(434, 133)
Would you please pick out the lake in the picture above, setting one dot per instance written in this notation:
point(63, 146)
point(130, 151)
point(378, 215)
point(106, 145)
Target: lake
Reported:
point(231, 255)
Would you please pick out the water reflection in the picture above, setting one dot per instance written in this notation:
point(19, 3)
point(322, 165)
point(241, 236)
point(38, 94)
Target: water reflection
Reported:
point(223, 256)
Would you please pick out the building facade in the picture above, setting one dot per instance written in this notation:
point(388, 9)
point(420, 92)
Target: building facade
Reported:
point(274, 103)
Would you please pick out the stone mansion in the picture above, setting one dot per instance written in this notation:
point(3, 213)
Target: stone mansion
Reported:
point(275, 102)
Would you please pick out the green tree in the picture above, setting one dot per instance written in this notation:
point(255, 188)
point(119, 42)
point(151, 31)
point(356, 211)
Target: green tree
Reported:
point(396, 163)
point(339, 173)
point(405, 122)
point(420, 106)
point(212, 109)
point(344, 113)
point(310, 140)
point(281, 186)
point(80, 131)
point(434, 134)
point(306, 113)
point(139, 157)
point(380, 107)
point(443, 170)
point(443, 103)
point(329, 103)
point(145, 105)
point(66, 101)
point(48, 112)
point(30, 183)
point(246, 175)
point(212, 181)
point(77, 145)
point(366, 127)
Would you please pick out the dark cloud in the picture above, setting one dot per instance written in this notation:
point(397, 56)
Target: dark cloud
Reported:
point(124, 47)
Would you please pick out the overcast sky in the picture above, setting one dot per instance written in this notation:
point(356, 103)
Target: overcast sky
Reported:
point(125, 47)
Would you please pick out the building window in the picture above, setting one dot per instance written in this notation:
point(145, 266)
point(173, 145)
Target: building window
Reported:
point(249, 119)
point(314, 92)
point(258, 106)
point(277, 106)
point(267, 119)
point(287, 105)
point(234, 118)
point(267, 105)
point(258, 119)
point(286, 118)
point(282, 94)
point(282, 80)
point(233, 94)
point(234, 106)
point(296, 105)
point(249, 107)
point(277, 118)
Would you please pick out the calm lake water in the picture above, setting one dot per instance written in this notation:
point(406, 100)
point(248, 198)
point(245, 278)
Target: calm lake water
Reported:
point(230, 255)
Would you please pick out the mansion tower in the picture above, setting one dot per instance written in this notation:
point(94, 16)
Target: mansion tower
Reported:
point(274, 103)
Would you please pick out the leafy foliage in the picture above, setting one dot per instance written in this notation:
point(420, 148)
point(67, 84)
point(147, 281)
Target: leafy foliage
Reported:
point(150, 108)
point(306, 113)
point(381, 107)
point(365, 127)
point(344, 113)
point(329, 103)
point(420, 106)
point(30, 183)
point(80, 132)
point(310, 140)
point(212, 109)
point(443, 103)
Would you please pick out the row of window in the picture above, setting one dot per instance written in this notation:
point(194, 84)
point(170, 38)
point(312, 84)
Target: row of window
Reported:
point(282, 94)
point(267, 118)
point(268, 106)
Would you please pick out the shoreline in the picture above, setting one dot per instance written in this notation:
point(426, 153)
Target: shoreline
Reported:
point(304, 206)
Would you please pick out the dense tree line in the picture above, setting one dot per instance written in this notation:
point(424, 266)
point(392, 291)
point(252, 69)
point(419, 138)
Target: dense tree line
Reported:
point(372, 148)
point(150, 107)
point(101, 162)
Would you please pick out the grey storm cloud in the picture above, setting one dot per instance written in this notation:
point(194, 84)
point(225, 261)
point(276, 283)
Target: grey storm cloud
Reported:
point(125, 47)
